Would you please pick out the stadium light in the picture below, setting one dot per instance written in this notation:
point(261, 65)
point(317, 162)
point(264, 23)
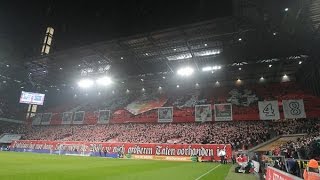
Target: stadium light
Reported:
point(85, 83)
point(285, 78)
point(286, 9)
point(186, 71)
point(300, 62)
point(211, 68)
point(104, 81)
point(239, 81)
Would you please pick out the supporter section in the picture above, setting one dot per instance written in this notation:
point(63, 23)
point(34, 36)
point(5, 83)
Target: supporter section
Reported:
point(142, 107)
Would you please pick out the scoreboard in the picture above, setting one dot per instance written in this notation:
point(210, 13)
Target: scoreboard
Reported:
point(32, 98)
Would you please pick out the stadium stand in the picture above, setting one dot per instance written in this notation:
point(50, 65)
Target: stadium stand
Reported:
point(244, 100)
point(241, 135)
point(14, 128)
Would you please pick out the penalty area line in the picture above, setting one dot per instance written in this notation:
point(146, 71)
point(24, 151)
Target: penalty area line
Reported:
point(207, 172)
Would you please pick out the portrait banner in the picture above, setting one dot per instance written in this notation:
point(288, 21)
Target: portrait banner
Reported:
point(78, 117)
point(36, 119)
point(67, 117)
point(203, 113)
point(46, 118)
point(165, 114)
point(223, 112)
point(104, 117)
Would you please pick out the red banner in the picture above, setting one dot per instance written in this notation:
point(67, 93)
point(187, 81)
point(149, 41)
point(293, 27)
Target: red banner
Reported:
point(202, 150)
point(275, 174)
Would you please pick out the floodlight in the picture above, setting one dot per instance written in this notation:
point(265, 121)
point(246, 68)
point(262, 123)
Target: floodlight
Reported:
point(104, 81)
point(285, 78)
point(85, 83)
point(210, 68)
point(186, 71)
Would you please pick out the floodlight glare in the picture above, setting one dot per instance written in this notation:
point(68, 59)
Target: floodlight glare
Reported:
point(85, 83)
point(104, 81)
point(186, 71)
point(211, 68)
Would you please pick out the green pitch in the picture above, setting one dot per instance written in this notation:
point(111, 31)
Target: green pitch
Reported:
point(21, 166)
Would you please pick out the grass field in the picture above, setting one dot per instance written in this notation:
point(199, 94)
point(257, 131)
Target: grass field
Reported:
point(20, 166)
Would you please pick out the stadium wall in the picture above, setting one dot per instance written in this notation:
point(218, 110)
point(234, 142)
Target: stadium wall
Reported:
point(273, 173)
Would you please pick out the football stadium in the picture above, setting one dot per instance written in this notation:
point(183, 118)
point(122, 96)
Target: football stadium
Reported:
point(153, 90)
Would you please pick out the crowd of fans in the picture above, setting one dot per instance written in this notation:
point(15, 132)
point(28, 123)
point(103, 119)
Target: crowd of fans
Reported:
point(14, 128)
point(241, 135)
point(304, 148)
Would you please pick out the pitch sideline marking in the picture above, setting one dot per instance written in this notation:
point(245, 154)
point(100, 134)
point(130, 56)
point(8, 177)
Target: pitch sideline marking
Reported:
point(208, 172)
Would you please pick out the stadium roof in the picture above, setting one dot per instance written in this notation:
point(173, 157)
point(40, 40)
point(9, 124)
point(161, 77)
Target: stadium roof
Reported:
point(226, 42)
point(243, 46)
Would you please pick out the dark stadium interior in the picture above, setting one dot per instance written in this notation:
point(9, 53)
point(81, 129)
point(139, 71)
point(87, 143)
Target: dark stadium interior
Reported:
point(239, 76)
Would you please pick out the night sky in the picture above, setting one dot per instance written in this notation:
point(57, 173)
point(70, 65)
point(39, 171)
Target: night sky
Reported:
point(76, 23)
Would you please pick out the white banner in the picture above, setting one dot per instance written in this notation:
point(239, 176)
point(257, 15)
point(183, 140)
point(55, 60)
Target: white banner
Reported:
point(293, 109)
point(269, 110)
point(165, 114)
point(203, 113)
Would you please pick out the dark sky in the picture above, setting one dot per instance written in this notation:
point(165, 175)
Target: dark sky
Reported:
point(22, 23)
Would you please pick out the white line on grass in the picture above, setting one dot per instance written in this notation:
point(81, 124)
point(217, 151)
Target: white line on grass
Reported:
point(208, 172)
